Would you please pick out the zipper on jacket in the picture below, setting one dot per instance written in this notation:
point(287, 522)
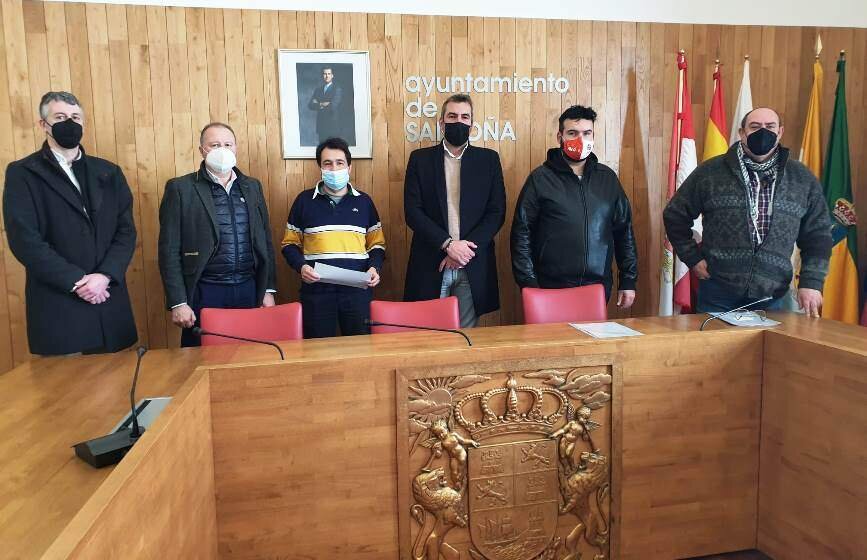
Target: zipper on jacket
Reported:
point(235, 263)
point(586, 232)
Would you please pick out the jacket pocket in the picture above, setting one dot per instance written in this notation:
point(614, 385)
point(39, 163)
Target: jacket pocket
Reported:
point(189, 262)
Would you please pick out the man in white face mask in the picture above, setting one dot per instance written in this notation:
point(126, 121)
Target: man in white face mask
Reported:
point(215, 246)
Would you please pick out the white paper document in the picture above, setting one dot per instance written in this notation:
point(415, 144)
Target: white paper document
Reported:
point(605, 330)
point(748, 319)
point(342, 276)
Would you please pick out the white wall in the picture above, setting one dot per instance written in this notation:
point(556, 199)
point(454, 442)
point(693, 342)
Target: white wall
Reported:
point(829, 13)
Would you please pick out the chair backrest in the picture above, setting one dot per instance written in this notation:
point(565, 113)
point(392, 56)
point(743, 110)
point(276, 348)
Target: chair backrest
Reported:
point(281, 322)
point(565, 305)
point(439, 313)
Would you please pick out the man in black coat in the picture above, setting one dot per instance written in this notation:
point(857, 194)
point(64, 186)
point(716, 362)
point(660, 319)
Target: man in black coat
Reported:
point(69, 221)
point(455, 203)
point(572, 219)
point(215, 246)
point(326, 101)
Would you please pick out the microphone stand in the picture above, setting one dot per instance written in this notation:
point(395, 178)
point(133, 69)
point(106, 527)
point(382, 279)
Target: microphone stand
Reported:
point(200, 331)
point(381, 324)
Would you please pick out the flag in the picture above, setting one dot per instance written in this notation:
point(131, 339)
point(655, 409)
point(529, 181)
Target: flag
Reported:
point(674, 285)
point(745, 102)
point(715, 137)
point(811, 157)
point(841, 284)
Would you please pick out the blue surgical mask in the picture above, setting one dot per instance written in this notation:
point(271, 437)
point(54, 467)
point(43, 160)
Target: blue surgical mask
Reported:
point(335, 180)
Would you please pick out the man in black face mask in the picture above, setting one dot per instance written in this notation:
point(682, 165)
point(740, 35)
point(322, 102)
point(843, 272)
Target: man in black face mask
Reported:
point(756, 204)
point(572, 219)
point(69, 221)
point(455, 203)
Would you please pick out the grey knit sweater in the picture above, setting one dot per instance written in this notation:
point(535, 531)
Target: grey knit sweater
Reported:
point(800, 215)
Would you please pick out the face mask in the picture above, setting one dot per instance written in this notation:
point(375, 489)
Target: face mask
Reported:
point(335, 180)
point(220, 160)
point(67, 133)
point(457, 133)
point(761, 142)
point(576, 149)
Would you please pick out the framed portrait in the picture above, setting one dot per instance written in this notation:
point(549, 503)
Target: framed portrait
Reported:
point(324, 94)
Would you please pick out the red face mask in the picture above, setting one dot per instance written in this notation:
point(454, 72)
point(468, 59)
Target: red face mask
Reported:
point(576, 149)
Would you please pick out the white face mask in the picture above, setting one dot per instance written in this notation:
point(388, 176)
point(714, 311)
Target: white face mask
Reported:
point(220, 160)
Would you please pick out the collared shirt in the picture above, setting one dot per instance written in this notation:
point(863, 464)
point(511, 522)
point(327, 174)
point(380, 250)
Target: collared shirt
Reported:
point(66, 166)
point(763, 193)
point(215, 179)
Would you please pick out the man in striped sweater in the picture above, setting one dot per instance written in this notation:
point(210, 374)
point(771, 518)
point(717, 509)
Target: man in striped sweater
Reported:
point(335, 224)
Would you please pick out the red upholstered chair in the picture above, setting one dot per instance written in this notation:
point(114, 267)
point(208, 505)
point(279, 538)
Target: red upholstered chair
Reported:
point(281, 322)
point(565, 305)
point(438, 313)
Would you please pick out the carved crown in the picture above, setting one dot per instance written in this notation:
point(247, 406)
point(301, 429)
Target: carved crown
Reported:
point(515, 416)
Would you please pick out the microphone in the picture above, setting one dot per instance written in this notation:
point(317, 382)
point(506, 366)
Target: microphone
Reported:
point(200, 331)
point(724, 313)
point(136, 431)
point(370, 323)
point(110, 449)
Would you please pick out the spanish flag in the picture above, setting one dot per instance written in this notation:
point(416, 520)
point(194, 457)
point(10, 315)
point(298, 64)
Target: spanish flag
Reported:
point(841, 285)
point(715, 143)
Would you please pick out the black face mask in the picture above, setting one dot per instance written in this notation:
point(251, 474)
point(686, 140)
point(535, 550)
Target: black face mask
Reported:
point(67, 133)
point(457, 133)
point(761, 142)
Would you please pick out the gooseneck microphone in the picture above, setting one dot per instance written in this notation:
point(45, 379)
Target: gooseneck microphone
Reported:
point(110, 449)
point(136, 431)
point(713, 316)
point(370, 323)
point(200, 331)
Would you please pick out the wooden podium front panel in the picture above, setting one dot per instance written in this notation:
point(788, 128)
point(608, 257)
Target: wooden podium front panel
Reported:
point(813, 487)
point(159, 501)
point(305, 452)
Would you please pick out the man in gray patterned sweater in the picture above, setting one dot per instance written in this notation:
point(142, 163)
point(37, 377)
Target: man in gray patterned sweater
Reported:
point(756, 204)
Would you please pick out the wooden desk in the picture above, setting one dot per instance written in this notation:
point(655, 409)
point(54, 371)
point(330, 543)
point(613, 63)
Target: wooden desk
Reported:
point(49, 404)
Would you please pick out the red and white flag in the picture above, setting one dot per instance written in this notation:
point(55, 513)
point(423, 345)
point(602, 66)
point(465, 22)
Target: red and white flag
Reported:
point(674, 285)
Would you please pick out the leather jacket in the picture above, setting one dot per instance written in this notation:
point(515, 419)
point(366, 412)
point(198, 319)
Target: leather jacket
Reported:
point(567, 231)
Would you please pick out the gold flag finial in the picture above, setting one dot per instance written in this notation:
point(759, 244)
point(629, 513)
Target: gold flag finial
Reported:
point(818, 45)
point(746, 57)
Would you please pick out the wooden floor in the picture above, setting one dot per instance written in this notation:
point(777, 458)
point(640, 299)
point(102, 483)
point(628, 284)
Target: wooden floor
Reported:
point(742, 555)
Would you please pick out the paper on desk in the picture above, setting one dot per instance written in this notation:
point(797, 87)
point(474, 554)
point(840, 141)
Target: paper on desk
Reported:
point(341, 276)
point(605, 330)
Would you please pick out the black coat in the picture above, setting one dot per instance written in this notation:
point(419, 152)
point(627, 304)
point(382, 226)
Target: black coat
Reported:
point(189, 234)
point(482, 211)
point(56, 240)
point(567, 231)
point(327, 118)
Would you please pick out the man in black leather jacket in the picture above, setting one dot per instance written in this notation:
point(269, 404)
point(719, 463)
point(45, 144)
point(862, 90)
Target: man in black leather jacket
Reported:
point(573, 218)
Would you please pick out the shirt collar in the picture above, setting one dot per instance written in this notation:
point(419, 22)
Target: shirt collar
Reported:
point(319, 184)
point(62, 160)
point(460, 155)
point(216, 179)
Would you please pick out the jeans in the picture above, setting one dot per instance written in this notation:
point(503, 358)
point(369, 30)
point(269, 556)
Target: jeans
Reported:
point(456, 283)
point(715, 297)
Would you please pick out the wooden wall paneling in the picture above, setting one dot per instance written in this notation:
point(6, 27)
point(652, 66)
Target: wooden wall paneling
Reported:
point(524, 162)
point(37, 57)
point(145, 176)
point(509, 293)
point(182, 126)
point(611, 115)
point(58, 62)
point(639, 86)
point(321, 35)
point(197, 56)
point(656, 193)
point(7, 260)
point(23, 113)
point(380, 185)
point(102, 120)
point(215, 54)
point(164, 145)
point(628, 150)
point(256, 147)
point(125, 148)
point(236, 88)
point(540, 128)
point(598, 85)
point(356, 39)
point(392, 215)
point(79, 67)
point(273, 180)
point(701, 83)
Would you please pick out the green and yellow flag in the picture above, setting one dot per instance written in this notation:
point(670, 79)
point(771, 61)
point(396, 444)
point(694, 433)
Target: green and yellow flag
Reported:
point(841, 285)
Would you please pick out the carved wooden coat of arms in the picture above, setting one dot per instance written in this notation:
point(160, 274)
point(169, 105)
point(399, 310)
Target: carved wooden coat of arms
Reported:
point(508, 461)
